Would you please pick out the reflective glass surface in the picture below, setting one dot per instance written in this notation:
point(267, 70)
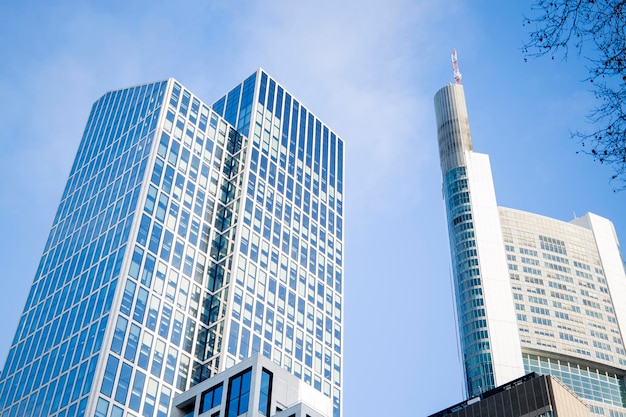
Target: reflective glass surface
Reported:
point(182, 246)
point(588, 383)
point(474, 335)
point(287, 302)
point(58, 342)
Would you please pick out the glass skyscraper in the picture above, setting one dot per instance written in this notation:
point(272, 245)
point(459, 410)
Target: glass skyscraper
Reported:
point(532, 293)
point(188, 238)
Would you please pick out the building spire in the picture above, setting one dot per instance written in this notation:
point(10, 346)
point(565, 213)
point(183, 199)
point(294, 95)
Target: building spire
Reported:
point(455, 67)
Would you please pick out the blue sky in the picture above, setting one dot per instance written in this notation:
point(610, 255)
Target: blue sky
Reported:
point(370, 70)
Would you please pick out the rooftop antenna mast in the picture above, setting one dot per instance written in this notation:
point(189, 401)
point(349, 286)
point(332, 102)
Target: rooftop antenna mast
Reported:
point(455, 67)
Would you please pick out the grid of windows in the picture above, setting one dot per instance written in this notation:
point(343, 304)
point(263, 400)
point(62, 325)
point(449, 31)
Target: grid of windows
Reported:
point(287, 299)
point(174, 292)
point(58, 340)
point(473, 330)
point(217, 248)
point(581, 308)
point(561, 296)
point(588, 383)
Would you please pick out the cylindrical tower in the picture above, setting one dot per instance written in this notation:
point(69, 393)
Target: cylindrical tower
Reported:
point(454, 139)
point(452, 126)
point(486, 318)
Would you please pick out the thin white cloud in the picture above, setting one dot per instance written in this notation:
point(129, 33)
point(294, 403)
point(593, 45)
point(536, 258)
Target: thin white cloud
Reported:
point(367, 68)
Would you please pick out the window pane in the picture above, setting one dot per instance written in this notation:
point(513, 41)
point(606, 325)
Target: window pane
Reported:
point(265, 400)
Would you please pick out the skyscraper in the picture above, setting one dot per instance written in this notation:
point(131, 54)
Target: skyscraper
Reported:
point(188, 238)
point(532, 293)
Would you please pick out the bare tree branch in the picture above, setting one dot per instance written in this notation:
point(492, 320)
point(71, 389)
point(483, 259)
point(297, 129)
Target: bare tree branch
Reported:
point(596, 30)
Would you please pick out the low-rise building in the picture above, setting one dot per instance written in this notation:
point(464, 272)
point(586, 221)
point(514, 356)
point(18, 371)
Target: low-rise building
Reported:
point(532, 395)
point(254, 387)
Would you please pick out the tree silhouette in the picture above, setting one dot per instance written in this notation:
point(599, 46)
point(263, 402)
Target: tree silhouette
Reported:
point(596, 31)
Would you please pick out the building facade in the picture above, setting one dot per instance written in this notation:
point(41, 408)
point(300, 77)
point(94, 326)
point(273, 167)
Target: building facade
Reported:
point(188, 238)
point(255, 387)
point(532, 395)
point(532, 293)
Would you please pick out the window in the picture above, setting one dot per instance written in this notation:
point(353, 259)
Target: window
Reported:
point(211, 398)
point(266, 393)
point(102, 407)
point(110, 373)
point(238, 394)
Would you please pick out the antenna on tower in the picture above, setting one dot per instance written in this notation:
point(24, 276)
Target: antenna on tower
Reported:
point(455, 67)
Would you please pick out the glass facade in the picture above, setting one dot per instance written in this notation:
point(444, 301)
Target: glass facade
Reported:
point(470, 303)
point(562, 295)
point(58, 343)
point(532, 293)
point(288, 279)
point(181, 247)
point(564, 307)
point(587, 382)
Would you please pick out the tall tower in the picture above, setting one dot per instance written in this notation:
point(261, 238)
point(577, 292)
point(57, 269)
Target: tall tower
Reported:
point(487, 326)
point(188, 238)
point(531, 293)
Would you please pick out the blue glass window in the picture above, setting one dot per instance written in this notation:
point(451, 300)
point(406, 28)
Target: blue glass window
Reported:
point(163, 144)
point(211, 398)
point(137, 390)
point(232, 105)
point(119, 335)
point(140, 307)
point(266, 393)
point(155, 239)
point(127, 299)
point(233, 337)
point(166, 248)
point(270, 96)
point(123, 383)
point(133, 342)
point(263, 88)
point(170, 365)
point(102, 408)
point(109, 376)
point(153, 314)
point(219, 105)
point(238, 394)
point(142, 235)
point(136, 262)
point(146, 348)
